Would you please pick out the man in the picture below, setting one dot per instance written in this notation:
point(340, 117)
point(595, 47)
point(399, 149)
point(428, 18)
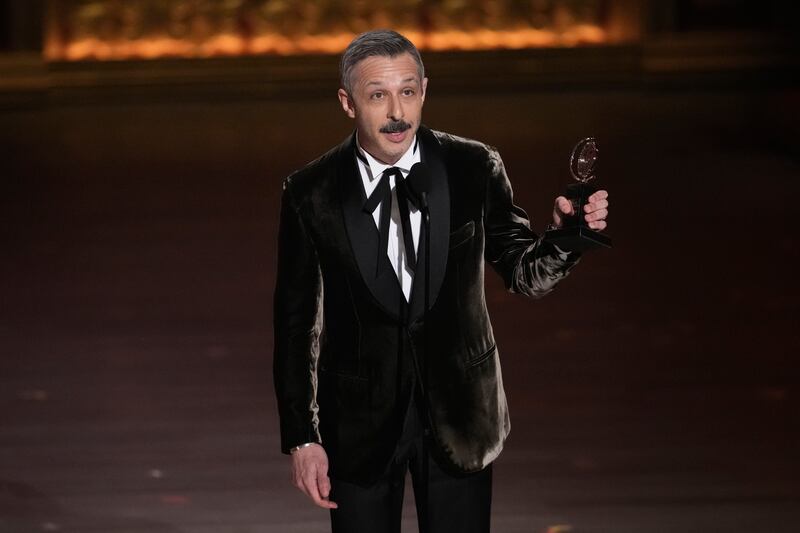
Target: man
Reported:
point(367, 389)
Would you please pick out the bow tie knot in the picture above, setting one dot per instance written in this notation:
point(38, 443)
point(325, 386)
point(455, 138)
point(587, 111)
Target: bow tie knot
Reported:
point(383, 193)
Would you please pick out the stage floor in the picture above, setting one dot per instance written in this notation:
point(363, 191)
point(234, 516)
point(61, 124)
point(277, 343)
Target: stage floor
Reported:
point(655, 391)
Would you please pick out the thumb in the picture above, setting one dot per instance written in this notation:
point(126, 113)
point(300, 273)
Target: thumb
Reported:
point(561, 209)
point(563, 206)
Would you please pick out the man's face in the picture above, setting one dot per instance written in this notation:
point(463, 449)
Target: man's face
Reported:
point(386, 102)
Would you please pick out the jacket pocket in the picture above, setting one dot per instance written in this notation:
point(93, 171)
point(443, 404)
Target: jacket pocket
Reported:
point(475, 361)
point(334, 373)
point(462, 234)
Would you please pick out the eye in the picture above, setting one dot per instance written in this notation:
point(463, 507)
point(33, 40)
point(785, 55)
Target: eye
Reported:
point(376, 95)
point(408, 92)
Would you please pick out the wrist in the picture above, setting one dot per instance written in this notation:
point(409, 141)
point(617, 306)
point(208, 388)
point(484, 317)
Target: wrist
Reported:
point(300, 447)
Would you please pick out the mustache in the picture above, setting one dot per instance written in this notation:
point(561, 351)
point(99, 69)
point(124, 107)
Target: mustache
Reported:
point(396, 126)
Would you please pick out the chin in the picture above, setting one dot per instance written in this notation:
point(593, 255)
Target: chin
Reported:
point(392, 153)
point(399, 149)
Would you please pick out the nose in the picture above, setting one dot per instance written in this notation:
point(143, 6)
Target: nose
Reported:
point(395, 109)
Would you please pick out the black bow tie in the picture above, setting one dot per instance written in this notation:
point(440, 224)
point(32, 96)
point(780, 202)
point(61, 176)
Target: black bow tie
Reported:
point(383, 193)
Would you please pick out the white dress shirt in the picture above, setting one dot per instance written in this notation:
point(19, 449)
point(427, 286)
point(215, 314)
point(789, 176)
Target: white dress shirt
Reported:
point(371, 171)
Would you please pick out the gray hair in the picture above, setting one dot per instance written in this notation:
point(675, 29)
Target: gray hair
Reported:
point(387, 43)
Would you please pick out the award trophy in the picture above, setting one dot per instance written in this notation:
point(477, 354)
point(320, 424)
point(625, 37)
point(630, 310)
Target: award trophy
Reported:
point(575, 235)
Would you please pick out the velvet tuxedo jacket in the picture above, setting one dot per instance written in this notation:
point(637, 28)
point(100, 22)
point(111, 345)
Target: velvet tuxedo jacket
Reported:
point(346, 341)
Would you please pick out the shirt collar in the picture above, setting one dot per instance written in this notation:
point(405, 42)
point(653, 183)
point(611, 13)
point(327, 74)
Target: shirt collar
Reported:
point(376, 168)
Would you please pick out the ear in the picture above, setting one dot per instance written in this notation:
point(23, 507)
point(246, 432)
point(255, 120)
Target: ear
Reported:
point(424, 88)
point(347, 103)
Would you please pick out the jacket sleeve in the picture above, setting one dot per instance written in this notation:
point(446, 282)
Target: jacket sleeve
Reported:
point(297, 327)
point(527, 264)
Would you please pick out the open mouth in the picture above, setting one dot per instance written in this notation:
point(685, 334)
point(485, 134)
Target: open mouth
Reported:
point(396, 136)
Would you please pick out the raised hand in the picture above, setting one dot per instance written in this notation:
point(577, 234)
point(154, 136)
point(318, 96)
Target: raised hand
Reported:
point(595, 210)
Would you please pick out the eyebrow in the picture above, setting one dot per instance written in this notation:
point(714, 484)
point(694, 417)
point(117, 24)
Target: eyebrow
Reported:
point(411, 79)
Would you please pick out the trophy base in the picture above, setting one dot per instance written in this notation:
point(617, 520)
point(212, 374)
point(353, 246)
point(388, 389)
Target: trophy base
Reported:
point(577, 239)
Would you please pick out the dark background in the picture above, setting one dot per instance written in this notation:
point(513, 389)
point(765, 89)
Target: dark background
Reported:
point(655, 390)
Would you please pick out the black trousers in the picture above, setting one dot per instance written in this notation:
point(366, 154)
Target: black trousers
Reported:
point(455, 503)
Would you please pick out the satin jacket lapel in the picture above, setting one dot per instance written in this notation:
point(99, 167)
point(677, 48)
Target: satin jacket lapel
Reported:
point(363, 234)
point(439, 205)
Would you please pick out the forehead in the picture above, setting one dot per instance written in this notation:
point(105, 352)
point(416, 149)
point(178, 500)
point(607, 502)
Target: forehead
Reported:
point(386, 69)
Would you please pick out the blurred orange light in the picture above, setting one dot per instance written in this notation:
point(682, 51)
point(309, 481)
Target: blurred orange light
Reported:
point(111, 30)
point(152, 47)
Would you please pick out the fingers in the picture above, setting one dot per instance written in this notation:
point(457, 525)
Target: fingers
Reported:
point(311, 482)
point(599, 225)
point(324, 485)
point(600, 214)
point(594, 206)
point(597, 210)
point(602, 194)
